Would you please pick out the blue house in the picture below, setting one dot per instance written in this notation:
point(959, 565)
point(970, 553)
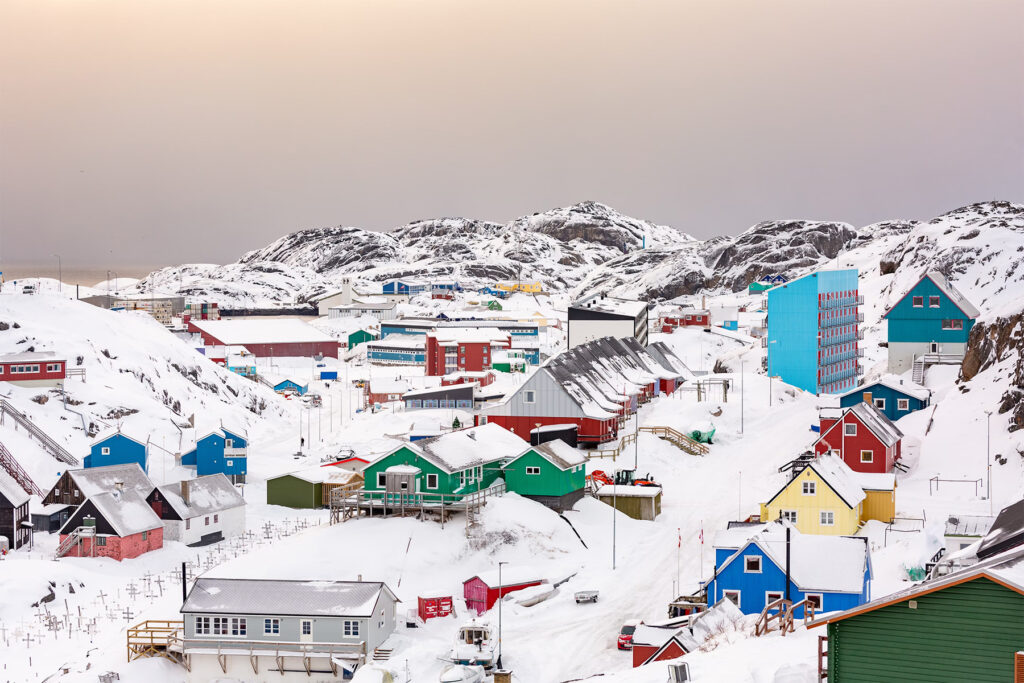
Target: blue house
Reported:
point(814, 330)
point(892, 395)
point(407, 287)
point(117, 448)
point(933, 317)
point(833, 572)
point(221, 451)
point(288, 386)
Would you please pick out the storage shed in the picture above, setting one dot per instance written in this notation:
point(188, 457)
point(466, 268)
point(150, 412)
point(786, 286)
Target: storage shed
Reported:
point(638, 502)
point(483, 590)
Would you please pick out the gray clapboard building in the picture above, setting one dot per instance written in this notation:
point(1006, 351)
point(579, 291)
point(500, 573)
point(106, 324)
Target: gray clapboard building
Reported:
point(248, 629)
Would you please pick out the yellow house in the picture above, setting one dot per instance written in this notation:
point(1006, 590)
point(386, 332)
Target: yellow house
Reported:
point(528, 287)
point(827, 497)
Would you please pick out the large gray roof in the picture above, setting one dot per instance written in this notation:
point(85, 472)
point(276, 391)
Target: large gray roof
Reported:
point(207, 494)
point(94, 480)
point(11, 490)
point(127, 512)
point(284, 597)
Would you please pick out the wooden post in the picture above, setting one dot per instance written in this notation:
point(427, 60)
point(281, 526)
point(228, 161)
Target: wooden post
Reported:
point(502, 676)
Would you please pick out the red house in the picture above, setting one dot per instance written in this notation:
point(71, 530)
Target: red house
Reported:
point(467, 377)
point(33, 369)
point(862, 436)
point(449, 350)
point(659, 643)
point(685, 318)
point(433, 606)
point(118, 524)
point(483, 590)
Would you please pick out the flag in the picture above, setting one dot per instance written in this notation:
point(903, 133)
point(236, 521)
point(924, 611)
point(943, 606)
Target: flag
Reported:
point(702, 534)
point(679, 531)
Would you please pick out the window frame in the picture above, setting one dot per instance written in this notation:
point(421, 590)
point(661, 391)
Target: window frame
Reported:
point(271, 626)
point(831, 516)
point(382, 480)
point(849, 429)
point(878, 403)
point(768, 597)
point(529, 396)
point(737, 593)
point(870, 453)
point(104, 450)
point(934, 301)
point(917, 302)
point(790, 516)
point(809, 488)
point(430, 486)
point(818, 597)
point(902, 404)
point(747, 561)
point(350, 628)
point(303, 623)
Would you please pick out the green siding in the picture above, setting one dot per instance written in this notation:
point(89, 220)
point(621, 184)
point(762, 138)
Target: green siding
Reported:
point(551, 481)
point(967, 632)
point(293, 492)
point(446, 483)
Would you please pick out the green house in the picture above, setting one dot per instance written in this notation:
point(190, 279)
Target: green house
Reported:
point(493, 305)
point(552, 473)
point(305, 489)
point(360, 337)
point(444, 467)
point(964, 627)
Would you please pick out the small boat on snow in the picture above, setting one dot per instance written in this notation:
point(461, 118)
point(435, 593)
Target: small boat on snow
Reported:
point(457, 673)
point(474, 645)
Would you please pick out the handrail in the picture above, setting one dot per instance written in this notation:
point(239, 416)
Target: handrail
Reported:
point(54, 448)
point(10, 464)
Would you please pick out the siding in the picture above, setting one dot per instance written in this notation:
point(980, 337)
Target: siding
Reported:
point(293, 492)
point(924, 324)
point(890, 396)
point(808, 517)
point(551, 481)
point(880, 505)
point(403, 456)
point(966, 632)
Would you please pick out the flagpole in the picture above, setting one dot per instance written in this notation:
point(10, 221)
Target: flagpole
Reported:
point(701, 549)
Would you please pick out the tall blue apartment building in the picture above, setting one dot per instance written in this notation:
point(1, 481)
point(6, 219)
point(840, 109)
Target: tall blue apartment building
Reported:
point(814, 332)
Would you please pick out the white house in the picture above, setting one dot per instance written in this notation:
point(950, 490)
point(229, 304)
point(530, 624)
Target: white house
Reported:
point(200, 511)
point(599, 315)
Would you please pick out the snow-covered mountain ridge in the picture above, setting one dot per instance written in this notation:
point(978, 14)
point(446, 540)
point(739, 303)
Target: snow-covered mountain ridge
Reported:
point(591, 246)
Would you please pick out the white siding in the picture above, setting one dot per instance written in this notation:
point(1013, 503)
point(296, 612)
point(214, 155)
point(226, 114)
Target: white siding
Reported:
point(582, 331)
point(550, 400)
point(230, 523)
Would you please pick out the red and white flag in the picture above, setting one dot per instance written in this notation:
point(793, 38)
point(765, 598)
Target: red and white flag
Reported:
point(679, 531)
point(702, 534)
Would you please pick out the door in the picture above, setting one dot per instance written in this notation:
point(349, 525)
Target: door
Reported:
point(306, 630)
point(933, 347)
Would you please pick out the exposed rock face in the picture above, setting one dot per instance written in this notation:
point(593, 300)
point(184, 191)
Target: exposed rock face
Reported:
point(1000, 342)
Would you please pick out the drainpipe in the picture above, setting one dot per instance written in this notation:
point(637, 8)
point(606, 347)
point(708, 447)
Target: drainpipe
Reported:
point(788, 531)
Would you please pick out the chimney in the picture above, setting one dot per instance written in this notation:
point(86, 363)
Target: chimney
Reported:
point(359, 578)
point(118, 490)
point(184, 491)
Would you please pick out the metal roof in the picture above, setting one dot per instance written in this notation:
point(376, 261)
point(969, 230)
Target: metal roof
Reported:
point(968, 525)
point(11, 490)
point(206, 494)
point(285, 597)
point(951, 292)
point(96, 480)
point(896, 383)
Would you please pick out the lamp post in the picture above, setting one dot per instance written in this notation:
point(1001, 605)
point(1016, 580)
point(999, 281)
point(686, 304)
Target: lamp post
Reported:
point(742, 385)
point(988, 456)
point(500, 596)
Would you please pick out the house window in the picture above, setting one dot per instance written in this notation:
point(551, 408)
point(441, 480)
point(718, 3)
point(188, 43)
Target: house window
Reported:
point(238, 626)
point(216, 518)
point(529, 396)
point(101, 540)
point(188, 524)
point(228, 443)
point(272, 627)
point(732, 596)
point(381, 480)
point(903, 404)
point(105, 450)
point(772, 596)
point(814, 600)
point(809, 488)
point(220, 626)
point(431, 481)
point(307, 627)
point(933, 302)
point(202, 626)
point(867, 456)
point(788, 515)
point(207, 518)
point(752, 564)
point(918, 302)
point(828, 518)
point(350, 628)
point(230, 463)
point(850, 429)
point(533, 470)
point(76, 493)
point(952, 324)
point(145, 535)
point(879, 403)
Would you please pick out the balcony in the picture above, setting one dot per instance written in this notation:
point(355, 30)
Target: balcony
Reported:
point(234, 452)
point(845, 302)
point(840, 321)
point(825, 342)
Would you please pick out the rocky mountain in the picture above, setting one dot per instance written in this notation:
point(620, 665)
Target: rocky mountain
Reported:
point(590, 246)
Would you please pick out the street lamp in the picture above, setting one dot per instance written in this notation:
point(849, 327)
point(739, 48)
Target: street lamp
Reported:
point(742, 385)
point(988, 456)
point(500, 596)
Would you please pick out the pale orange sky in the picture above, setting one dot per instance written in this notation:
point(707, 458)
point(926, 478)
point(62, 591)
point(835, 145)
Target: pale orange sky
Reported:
point(145, 131)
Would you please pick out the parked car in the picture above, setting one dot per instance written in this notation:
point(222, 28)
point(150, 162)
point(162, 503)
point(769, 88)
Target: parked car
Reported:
point(28, 289)
point(625, 639)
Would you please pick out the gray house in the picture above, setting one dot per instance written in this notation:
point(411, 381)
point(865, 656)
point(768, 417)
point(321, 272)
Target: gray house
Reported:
point(247, 629)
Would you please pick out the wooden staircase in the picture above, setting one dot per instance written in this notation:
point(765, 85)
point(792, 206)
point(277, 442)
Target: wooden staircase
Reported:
point(918, 374)
point(782, 616)
point(76, 538)
point(11, 466)
point(48, 444)
point(382, 654)
point(681, 441)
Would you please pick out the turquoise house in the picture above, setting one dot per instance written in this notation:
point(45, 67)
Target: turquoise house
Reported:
point(116, 448)
point(221, 451)
point(291, 387)
point(814, 330)
point(933, 317)
point(892, 395)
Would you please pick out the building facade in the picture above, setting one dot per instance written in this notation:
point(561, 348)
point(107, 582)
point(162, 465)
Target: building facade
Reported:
point(862, 436)
point(199, 511)
point(33, 369)
point(552, 473)
point(220, 451)
point(814, 332)
point(15, 523)
point(117, 448)
point(893, 396)
point(600, 315)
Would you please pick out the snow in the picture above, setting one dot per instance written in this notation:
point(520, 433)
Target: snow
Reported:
point(12, 491)
point(471, 447)
point(286, 597)
point(560, 454)
point(206, 495)
point(838, 475)
point(127, 512)
point(609, 490)
point(96, 480)
point(269, 331)
point(28, 356)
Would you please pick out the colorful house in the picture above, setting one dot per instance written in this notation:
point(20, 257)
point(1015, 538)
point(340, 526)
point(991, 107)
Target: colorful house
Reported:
point(552, 473)
point(15, 522)
point(117, 448)
point(660, 643)
point(309, 488)
point(220, 451)
point(404, 287)
point(360, 337)
point(827, 497)
point(447, 466)
point(397, 349)
point(933, 317)
point(450, 350)
point(241, 362)
point(814, 331)
point(483, 590)
point(685, 318)
point(74, 486)
point(831, 572)
point(892, 395)
point(33, 369)
point(862, 436)
point(966, 626)
point(118, 524)
point(288, 386)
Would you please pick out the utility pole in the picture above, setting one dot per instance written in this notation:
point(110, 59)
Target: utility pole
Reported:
point(500, 596)
point(742, 386)
point(60, 275)
point(988, 456)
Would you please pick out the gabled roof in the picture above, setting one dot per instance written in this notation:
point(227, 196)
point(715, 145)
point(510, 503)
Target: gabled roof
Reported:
point(1007, 531)
point(1005, 569)
point(206, 494)
point(319, 474)
point(115, 431)
point(283, 597)
point(685, 642)
point(896, 383)
point(557, 452)
point(837, 475)
point(951, 292)
point(96, 480)
point(817, 562)
point(872, 418)
point(471, 447)
point(126, 511)
point(11, 490)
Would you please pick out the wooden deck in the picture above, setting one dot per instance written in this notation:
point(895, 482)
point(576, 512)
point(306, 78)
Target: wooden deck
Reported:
point(673, 436)
point(153, 638)
point(349, 504)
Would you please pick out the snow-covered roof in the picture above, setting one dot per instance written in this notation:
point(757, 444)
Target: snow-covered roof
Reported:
point(11, 490)
point(896, 383)
point(655, 636)
point(126, 511)
point(279, 596)
point(736, 536)
point(629, 491)
point(969, 525)
point(114, 431)
point(268, 331)
point(403, 469)
point(512, 575)
point(95, 480)
point(471, 447)
point(442, 390)
point(817, 562)
point(388, 385)
point(559, 453)
point(322, 475)
point(951, 292)
point(610, 304)
point(470, 335)
point(554, 428)
point(875, 481)
point(206, 494)
point(870, 416)
point(399, 341)
point(29, 356)
point(838, 475)
point(381, 305)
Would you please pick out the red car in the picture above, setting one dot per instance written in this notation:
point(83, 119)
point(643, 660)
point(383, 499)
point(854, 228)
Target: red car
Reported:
point(625, 639)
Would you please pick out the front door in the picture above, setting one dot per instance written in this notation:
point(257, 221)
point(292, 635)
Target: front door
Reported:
point(933, 347)
point(306, 630)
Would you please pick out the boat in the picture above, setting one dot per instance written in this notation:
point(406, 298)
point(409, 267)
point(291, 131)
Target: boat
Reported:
point(457, 673)
point(474, 645)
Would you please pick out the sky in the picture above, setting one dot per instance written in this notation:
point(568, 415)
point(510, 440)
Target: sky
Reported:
point(160, 132)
